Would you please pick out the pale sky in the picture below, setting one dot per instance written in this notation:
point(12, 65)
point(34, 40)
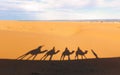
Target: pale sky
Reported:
point(59, 9)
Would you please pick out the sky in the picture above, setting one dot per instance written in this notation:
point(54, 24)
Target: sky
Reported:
point(59, 9)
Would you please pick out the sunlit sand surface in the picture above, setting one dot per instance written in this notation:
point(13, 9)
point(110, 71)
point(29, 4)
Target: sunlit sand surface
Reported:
point(18, 37)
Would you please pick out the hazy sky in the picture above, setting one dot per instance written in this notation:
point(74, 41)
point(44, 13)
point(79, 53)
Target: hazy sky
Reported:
point(59, 9)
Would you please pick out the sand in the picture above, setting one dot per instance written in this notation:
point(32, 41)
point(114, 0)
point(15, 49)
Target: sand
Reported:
point(19, 37)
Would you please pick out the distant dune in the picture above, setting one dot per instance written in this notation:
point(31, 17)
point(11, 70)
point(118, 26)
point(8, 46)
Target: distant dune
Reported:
point(103, 66)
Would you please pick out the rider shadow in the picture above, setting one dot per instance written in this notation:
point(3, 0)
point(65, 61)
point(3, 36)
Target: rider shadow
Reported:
point(66, 52)
point(33, 53)
point(80, 52)
point(50, 53)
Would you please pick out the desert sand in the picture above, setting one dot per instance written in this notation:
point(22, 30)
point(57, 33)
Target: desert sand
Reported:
point(18, 37)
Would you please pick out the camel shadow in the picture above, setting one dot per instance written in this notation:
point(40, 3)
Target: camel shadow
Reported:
point(80, 52)
point(66, 52)
point(33, 53)
point(50, 53)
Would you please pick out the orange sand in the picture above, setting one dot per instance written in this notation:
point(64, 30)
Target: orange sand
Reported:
point(18, 37)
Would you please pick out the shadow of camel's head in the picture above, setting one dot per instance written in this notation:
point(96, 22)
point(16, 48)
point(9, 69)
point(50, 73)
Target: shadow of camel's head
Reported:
point(41, 46)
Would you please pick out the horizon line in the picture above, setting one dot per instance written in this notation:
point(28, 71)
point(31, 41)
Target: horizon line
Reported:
point(84, 20)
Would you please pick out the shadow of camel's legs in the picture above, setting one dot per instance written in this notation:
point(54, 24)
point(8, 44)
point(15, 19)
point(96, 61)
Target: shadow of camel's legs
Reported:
point(44, 57)
point(68, 57)
point(76, 57)
point(34, 57)
point(21, 57)
point(62, 56)
point(50, 57)
point(85, 57)
point(29, 57)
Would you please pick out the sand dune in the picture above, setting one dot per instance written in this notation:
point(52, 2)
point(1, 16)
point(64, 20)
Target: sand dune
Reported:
point(18, 37)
